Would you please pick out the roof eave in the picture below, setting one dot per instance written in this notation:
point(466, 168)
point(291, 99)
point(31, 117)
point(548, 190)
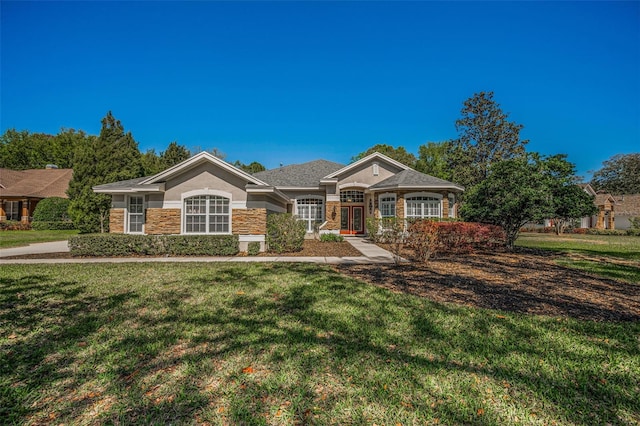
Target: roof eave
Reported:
point(417, 187)
point(159, 187)
point(271, 190)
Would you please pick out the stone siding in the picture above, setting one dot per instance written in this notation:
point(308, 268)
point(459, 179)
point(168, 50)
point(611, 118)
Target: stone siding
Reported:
point(333, 221)
point(249, 221)
point(162, 221)
point(116, 221)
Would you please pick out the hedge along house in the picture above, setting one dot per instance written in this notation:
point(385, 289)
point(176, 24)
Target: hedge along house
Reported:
point(21, 190)
point(206, 195)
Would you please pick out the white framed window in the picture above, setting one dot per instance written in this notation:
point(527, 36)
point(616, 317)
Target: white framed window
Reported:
point(207, 214)
point(135, 214)
point(387, 204)
point(351, 196)
point(423, 205)
point(376, 169)
point(310, 209)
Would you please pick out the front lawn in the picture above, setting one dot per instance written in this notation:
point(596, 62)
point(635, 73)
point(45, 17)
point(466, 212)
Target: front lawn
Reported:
point(24, 238)
point(624, 247)
point(292, 343)
point(609, 256)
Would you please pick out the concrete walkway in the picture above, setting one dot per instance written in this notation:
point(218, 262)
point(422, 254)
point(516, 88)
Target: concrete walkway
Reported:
point(372, 254)
point(37, 248)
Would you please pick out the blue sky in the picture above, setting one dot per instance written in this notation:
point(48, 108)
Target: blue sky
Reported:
point(288, 82)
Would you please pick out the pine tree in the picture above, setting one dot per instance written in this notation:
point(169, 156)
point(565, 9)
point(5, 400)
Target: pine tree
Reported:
point(111, 157)
point(174, 154)
point(486, 137)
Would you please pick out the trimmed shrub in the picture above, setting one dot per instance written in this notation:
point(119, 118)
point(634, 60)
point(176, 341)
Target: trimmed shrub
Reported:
point(14, 225)
point(634, 232)
point(285, 234)
point(328, 238)
point(635, 222)
point(253, 248)
point(153, 245)
point(53, 209)
point(427, 238)
point(51, 214)
point(423, 239)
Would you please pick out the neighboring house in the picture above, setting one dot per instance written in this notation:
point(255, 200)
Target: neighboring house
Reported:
point(20, 190)
point(627, 207)
point(206, 195)
point(605, 218)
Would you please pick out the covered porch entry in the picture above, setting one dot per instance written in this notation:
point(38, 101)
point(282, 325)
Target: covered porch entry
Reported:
point(352, 213)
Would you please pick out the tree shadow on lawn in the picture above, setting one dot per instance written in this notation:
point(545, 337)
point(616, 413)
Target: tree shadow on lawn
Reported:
point(231, 346)
point(522, 283)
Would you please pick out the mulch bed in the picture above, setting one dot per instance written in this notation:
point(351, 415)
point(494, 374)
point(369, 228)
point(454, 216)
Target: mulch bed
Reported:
point(525, 281)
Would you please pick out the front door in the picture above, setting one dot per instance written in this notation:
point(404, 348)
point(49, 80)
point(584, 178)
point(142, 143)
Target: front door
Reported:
point(352, 220)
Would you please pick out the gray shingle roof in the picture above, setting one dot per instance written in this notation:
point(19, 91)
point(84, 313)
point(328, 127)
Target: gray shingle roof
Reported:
point(301, 175)
point(123, 184)
point(412, 178)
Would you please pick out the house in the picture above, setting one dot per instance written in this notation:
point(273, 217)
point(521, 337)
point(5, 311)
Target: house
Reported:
point(605, 218)
point(627, 207)
point(21, 190)
point(206, 195)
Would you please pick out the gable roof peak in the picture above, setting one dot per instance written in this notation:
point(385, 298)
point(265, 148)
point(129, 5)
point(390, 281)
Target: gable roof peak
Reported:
point(373, 156)
point(198, 159)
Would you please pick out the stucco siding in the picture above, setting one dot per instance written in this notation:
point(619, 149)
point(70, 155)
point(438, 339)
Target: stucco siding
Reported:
point(205, 176)
point(364, 174)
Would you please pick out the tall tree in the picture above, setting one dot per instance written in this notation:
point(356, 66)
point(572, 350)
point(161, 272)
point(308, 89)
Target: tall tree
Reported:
point(399, 154)
point(619, 175)
point(174, 154)
point(514, 193)
point(253, 167)
point(433, 159)
point(65, 144)
point(567, 201)
point(113, 156)
point(486, 136)
point(151, 162)
point(20, 150)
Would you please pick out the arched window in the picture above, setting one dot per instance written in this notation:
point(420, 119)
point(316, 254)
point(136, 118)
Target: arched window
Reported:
point(310, 210)
point(423, 206)
point(207, 214)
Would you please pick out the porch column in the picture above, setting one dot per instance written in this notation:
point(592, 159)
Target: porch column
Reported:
point(3, 213)
point(612, 220)
point(445, 207)
point(600, 222)
point(25, 211)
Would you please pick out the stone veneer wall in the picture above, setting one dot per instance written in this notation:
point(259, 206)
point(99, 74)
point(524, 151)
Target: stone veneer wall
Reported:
point(162, 221)
point(116, 221)
point(249, 221)
point(333, 223)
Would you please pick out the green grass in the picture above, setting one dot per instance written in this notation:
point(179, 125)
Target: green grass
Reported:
point(624, 247)
point(291, 343)
point(627, 273)
point(24, 238)
point(602, 247)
